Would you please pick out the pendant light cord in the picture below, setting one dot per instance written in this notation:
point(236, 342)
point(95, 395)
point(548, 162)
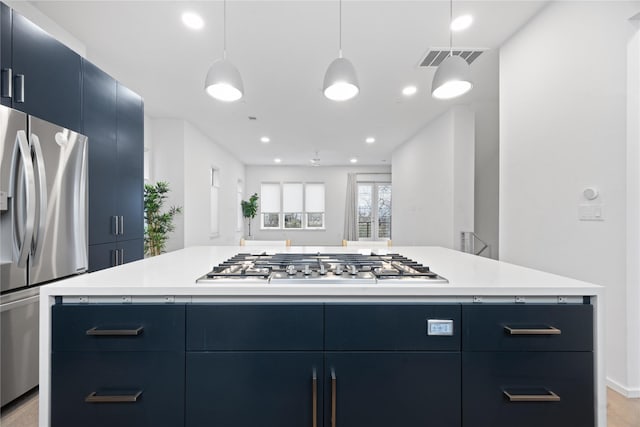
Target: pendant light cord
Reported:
point(224, 29)
point(340, 32)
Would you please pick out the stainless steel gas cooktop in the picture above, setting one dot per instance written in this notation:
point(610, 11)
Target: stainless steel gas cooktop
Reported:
point(321, 268)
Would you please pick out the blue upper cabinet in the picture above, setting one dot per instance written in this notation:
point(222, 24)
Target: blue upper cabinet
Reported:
point(46, 75)
point(6, 79)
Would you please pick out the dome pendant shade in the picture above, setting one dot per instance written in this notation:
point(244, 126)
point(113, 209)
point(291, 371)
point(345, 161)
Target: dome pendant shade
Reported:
point(452, 78)
point(340, 81)
point(223, 81)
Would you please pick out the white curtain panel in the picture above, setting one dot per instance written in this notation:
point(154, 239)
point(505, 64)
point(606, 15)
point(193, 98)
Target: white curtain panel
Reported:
point(350, 219)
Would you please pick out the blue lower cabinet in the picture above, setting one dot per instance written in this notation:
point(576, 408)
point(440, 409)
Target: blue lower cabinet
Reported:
point(528, 389)
point(249, 389)
point(122, 389)
point(382, 389)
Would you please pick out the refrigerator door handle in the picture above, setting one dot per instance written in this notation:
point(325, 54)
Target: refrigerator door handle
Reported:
point(22, 154)
point(43, 199)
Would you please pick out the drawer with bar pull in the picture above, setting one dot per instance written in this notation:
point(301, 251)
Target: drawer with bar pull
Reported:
point(540, 327)
point(117, 327)
point(117, 388)
point(527, 389)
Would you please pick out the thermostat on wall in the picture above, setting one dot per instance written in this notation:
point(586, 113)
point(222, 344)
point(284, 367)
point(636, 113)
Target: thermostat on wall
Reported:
point(440, 327)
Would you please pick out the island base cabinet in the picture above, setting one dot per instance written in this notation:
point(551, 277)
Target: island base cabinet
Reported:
point(382, 389)
point(122, 388)
point(528, 389)
point(249, 389)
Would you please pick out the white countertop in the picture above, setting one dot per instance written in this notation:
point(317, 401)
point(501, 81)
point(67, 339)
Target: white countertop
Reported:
point(175, 273)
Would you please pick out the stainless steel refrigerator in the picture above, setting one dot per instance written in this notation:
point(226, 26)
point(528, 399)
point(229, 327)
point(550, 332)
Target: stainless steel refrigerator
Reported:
point(43, 233)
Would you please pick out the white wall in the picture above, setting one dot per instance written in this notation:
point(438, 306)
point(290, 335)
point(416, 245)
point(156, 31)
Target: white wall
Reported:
point(168, 159)
point(433, 175)
point(487, 167)
point(633, 212)
point(201, 154)
point(183, 156)
point(335, 180)
point(563, 128)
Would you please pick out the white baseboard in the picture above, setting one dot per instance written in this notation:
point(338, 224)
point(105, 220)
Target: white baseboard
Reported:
point(631, 393)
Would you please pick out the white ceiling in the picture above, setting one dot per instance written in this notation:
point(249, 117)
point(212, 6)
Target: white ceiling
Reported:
point(282, 49)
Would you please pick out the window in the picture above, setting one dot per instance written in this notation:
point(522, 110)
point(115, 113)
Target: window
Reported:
point(292, 204)
point(270, 206)
point(314, 204)
point(214, 202)
point(240, 217)
point(374, 211)
point(302, 205)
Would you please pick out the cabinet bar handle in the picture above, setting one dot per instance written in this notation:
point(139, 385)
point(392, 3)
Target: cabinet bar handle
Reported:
point(115, 332)
point(94, 398)
point(19, 84)
point(334, 383)
point(548, 330)
point(549, 396)
point(121, 224)
point(314, 397)
point(121, 256)
point(116, 230)
point(116, 253)
point(7, 83)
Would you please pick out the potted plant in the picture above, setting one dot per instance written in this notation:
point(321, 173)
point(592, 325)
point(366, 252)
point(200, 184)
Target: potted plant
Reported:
point(250, 209)
point(157, 224)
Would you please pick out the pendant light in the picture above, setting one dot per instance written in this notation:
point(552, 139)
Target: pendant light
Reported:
point(453, 76)
point(223, 80)
point(340, 80)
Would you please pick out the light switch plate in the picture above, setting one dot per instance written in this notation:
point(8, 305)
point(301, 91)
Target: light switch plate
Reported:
point(590, 212)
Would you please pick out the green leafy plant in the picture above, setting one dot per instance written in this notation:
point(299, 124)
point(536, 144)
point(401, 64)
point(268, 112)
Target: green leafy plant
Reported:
point(250, 209)
point(158, 225)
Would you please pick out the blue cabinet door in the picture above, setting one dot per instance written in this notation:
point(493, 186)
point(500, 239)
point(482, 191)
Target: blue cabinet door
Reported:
point(249, 389)
point(6, 81)
point(51, 73)
point(100, 124)
point(130, 182)
point(382, 389)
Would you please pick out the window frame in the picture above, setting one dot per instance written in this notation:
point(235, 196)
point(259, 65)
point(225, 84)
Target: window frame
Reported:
point(303, 215)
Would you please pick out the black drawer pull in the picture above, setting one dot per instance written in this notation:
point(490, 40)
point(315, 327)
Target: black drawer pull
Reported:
point(528, 330)
point(114, 332)
point(544, 396)
point(113, 398)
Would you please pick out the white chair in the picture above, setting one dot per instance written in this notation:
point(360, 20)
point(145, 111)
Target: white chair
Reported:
point(367, 243)
point(277, 243)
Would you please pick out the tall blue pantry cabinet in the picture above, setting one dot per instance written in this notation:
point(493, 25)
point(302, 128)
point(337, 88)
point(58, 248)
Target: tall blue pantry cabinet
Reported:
point(114, 123)
point(43, 77)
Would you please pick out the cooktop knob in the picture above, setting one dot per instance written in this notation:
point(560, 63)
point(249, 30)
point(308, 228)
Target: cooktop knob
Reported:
point(291, 270)
point(353, 270)
point(307, 270)
point(322, 270)
point(338, 270)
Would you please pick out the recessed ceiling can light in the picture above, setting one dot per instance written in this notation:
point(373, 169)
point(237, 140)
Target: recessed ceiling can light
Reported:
point(461, 22)
point(409, 90)
point(192, 20)
point(265, 139)
point(354, 160)
point(370, 140)
point(277, 160)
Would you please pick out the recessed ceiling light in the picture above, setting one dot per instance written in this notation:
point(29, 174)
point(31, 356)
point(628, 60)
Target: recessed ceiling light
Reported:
point(409, 90)
point(462, 22)
point(265, 139)
point(192, 20)
point(277, 160)
point(370, 140)
point(354, 160)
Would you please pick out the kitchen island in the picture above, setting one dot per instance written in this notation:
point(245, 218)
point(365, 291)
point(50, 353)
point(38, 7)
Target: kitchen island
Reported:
point(507, 346)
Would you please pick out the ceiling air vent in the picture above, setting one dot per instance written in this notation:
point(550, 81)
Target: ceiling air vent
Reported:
point(435, 56)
